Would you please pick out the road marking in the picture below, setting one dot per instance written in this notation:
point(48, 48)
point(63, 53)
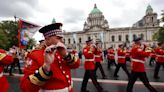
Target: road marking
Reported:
point(105, 80)
point(120, 81)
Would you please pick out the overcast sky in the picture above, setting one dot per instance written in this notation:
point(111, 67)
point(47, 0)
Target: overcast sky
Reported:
point(73, 13)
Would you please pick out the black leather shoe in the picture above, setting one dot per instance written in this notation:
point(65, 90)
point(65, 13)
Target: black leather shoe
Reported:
point(116, 76)
point(156, 77)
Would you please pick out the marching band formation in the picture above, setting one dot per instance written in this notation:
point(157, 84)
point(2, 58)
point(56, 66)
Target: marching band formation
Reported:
point(48, 67)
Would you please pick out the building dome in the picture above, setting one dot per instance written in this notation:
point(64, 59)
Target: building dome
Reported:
point(53, 20)
point(149, 10)
point(95, 10)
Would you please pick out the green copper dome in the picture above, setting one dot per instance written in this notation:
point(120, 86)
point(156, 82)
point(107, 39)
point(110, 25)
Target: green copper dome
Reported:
point(53, 20)
point(149, 9)
point(95, 10)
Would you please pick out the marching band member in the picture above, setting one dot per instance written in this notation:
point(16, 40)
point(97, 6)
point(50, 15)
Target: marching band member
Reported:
point(121, 61)
point(111, 57)
point(152, 57)
point(138, 54)
point(50, 70)
point(159, 59)
point(99, 59)
point(89, 66)
point(5, 59)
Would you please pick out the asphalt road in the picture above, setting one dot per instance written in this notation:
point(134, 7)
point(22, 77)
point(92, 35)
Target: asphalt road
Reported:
point(111, 84)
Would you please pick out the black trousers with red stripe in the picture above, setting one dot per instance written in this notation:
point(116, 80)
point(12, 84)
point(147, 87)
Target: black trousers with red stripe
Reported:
point(90, 74)
point(98, 65)
point(123, 67)
point(143, 78)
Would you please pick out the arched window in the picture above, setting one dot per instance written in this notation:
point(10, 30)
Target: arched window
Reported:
point(69, 41)
point(89, 37)
point(113, 38)
point(134, 36)
point(142, 36)
point(64, 41)
point(119, 38)
point(127, 37)
point(79, 40)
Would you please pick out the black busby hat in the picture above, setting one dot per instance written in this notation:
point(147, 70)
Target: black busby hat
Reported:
point(51, 30)
point(120, 45)
point(137, 39)
point(89, 40)
point(160, 43)
point(41, 41)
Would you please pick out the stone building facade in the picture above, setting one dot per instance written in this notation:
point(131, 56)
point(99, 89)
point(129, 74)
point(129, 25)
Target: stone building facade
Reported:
point(96, 27)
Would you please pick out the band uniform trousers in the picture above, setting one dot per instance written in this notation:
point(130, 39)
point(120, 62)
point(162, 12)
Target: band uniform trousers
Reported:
point(157, 68)
point(143, 77)
point(111, 61)
point(98, 65)
point(123, 67)
point(90, 74)
point(151, 60)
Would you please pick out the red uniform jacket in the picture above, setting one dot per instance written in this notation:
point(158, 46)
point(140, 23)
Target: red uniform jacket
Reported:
point(138, 58)
point(98, 55)
point(61, 78)
point(152, 54)
point(111, 54)
point(128, 53)
point(88, 53)
point(159, 55)
point(4, 60)
point(121, 56)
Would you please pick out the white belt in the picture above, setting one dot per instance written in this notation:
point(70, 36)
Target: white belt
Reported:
point(1, 74)
point(89, 59)
point(160, 55)
point(111, 55)
point(97, 56)
point(66, 89)
point(137, 60)
point(121, 56)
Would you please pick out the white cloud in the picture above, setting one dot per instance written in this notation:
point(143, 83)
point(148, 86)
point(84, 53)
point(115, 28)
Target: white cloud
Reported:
point(119, 13)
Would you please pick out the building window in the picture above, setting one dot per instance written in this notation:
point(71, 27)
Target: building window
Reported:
point(142, 36)
point(113, 38)
point(79, 40)
point(74, 41)
point(134, 36)
point(64, 41)
point(119, 38)
point(127, 37)
point(69, 41)
point(89, 37)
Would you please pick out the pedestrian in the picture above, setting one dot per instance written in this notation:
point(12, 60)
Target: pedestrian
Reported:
point(5, 59)
point(89, 65)
point(159, 59)
point(51, 66)
point(121, 61)
point(138, 55)
point(16, 61)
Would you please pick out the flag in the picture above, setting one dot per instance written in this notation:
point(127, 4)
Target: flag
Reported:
point(26, 32)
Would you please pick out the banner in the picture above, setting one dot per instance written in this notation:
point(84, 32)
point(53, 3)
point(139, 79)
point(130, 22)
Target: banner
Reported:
point(26, 32)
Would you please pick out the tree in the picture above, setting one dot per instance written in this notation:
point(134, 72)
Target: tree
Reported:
point(159, 36)
point(31, 43)
point(8, 34)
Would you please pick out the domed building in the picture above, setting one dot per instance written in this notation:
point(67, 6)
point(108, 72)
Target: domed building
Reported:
point(96, 27)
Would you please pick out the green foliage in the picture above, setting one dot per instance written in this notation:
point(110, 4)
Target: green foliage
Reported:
point(31, 43)
point(159, 36)
point(8, 34)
